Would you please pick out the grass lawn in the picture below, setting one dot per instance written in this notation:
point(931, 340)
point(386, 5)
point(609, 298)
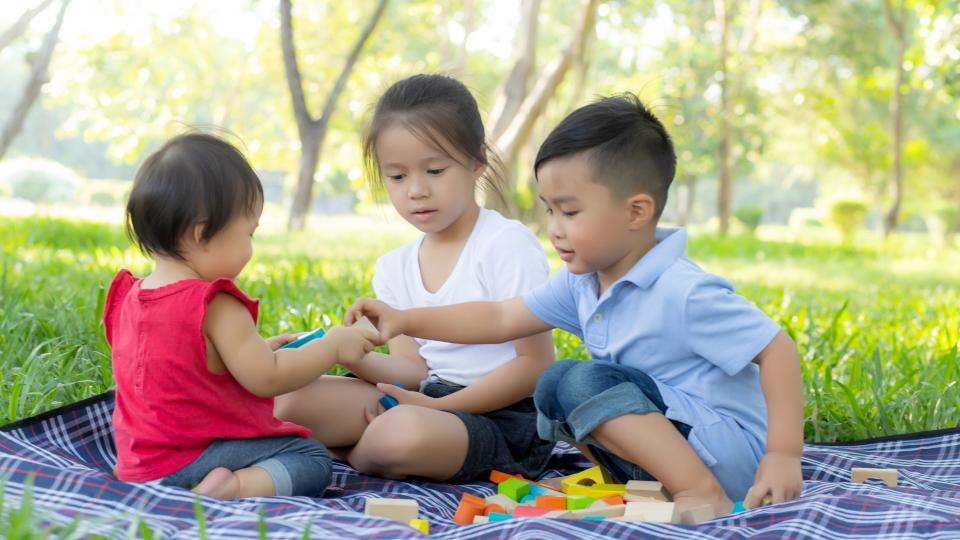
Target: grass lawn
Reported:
point(877, 326)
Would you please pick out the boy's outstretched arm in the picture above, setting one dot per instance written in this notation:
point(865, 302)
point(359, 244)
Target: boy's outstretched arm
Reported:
point(472, 322)
point(779, 476)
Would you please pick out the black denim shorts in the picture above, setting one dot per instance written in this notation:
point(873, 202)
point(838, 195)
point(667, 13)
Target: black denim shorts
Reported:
point(505, 439)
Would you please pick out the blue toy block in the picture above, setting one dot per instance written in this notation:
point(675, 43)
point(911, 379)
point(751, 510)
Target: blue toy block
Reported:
point(389, 402)
point(299, 342)
point(536, 490)
point(594, 518)
point(497, 516)
point(528, 498)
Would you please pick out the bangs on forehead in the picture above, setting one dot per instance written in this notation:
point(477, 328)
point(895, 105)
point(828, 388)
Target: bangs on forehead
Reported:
point(427, 134)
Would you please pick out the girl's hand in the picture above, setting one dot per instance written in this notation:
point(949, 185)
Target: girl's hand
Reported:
point(351, 343)
point(276, 342)
point(778, 480)
point(389, 321)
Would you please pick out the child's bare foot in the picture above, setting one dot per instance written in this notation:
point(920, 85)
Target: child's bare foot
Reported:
point(694, 499)
point(220, 483)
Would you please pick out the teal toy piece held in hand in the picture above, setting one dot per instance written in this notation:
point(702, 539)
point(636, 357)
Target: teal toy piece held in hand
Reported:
point(299, 342)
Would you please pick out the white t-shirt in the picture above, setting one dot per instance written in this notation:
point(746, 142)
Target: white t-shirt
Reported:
point(501, 259)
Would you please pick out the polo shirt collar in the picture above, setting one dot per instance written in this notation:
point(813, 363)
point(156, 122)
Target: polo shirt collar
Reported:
point(671, 245)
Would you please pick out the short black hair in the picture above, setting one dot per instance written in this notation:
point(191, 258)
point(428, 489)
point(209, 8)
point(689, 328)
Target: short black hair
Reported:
point(627, 146)
point(193, 179)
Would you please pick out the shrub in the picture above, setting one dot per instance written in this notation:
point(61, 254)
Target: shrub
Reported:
point(750, 216)
point(40, 180)
point(847, 215)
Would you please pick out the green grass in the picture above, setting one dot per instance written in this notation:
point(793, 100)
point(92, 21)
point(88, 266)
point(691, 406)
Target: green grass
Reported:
point(877, 326)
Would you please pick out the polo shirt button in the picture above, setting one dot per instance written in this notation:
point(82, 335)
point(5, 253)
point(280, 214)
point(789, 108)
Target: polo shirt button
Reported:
point(598, 317)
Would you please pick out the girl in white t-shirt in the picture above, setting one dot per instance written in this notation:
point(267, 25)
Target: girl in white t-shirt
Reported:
point(463, 409)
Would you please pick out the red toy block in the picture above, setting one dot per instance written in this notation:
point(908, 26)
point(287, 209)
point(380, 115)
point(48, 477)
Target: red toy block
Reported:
point(530, 511)
point(552, 502)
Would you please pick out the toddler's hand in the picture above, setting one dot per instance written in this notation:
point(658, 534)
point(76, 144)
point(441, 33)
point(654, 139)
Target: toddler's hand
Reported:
point(388, 320)
point(778, 480)
point(276, 342)
point(351, 343)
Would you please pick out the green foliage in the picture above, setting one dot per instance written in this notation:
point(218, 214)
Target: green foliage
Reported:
point(40, 180)
point(750, 217)
point(847, 215)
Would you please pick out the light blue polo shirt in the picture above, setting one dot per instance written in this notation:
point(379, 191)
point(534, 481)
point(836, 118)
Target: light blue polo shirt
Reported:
point(691, 333)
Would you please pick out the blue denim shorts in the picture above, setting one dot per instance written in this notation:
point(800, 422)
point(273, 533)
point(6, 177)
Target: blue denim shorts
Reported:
point(297, 465)
point(573, 397)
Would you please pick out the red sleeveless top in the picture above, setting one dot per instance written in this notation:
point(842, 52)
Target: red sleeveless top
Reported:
point(169, 407)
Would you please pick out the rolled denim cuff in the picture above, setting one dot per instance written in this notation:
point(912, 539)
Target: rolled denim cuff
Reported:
point(279, 474)
point(624, 398)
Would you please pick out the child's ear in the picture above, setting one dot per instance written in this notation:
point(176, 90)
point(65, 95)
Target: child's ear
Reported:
point(195, 236)
point(642, 211)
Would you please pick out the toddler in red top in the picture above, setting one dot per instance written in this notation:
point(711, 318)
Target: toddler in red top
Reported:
point(195, 381)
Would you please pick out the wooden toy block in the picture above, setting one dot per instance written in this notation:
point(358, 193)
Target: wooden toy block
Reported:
point(596, 518)
point(470, 507)
point(647, 488)
point(698, 514)
point(589, 477)
point(538, 490)
point(576, 502)
point(507, 503)
point(496, 476)
point(529, 500)
point(551, 502)
point(597, 491)
point(638, 498)
point(399, 509)
point(557, 514)
point(608, 511)
point(600, 503)
point(663, 512)
point(494, 508)
point(497, 516)
point(477, 520)
point(530, 512)
point(889, 476)
point(365, 323)
point(764, 502)
point(552, 483)
point(613, 500)
point(421, 525)
point(514, 488)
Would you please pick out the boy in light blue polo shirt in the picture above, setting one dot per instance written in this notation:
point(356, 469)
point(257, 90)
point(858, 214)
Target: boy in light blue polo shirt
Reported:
point(690, 384)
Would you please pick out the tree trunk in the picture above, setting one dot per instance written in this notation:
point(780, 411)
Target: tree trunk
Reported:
point(519, 128)
point(686, 198)
point(19, 27)
point(896, 119)
point(38, 77)
point(725, 196)
point(469, 24)
point(312, 131)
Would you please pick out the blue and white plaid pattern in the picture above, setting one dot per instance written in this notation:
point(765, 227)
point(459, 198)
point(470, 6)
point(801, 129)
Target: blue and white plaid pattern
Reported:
point(69, 452)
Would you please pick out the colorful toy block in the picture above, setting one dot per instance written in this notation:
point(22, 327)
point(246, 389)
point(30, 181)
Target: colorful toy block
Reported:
point(589, 477)
point(470, 507)
point(613, 500)
point(421, 525)
point(496, 476)
point(390, 402)
point(594, 518)
point(478, 520)
point(890, 477)
point(497, 516)
point(551, 502)
point(662, 512)
point(597, 491)
point(538, 490)
point(402, 510)
point(608, 511)
point(530, 511)
point(576, 502)
point(529, 500)
point(507, 503)
point(514, 488)
point(299, 342)
point(494, 508)
point(648, 488)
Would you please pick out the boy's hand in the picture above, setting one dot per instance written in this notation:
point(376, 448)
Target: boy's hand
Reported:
point(276, 342)
point(778, 480)
point(389, 321)
point(351, 343)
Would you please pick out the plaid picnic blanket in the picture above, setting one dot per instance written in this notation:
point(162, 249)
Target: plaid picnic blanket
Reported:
point(69, 454)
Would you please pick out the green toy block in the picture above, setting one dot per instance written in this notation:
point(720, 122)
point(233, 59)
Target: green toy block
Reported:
point(576, 502)
point(514, 488)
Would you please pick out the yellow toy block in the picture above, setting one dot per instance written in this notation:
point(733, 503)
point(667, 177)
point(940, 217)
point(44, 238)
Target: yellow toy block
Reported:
point(597, 491)
point(421, 525)
point(589, 477)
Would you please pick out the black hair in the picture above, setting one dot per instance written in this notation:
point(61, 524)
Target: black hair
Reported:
point(627, 146)
point(193, 179)
point(442, 112)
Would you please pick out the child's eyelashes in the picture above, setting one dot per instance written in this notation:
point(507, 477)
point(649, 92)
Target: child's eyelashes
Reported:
point(436, 171)
point(569, 213)
point(431, 172)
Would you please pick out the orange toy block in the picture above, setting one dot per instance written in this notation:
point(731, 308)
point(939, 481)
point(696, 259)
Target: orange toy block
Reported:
point(890, 477)
point(494, 508)
point(552, 502)
point(496, 476)
point(613, 500)
point(470, 507)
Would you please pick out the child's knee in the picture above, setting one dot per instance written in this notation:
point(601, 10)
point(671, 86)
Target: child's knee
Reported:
point(394, 438)
point(545, 395)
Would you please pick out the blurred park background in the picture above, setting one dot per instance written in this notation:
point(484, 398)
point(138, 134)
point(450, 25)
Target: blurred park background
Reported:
point(818, 145)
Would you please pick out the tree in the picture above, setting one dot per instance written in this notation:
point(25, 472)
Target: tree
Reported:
point(897, 20)
point(313, 130)
point(38, 71)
